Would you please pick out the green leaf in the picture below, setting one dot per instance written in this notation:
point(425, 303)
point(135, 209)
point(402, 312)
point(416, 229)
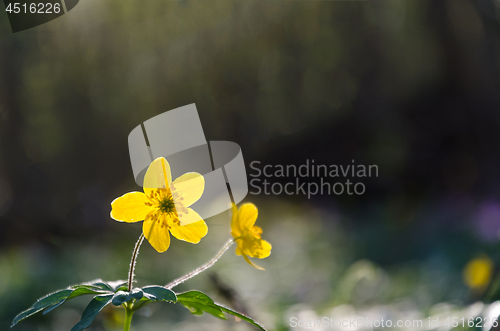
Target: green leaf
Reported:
point(42, 303)
point(23, 315)
point(159, 293)
point(119, 298)
point(155, 293)
point(117, 285)
point(53, 300)
point(242, 317)
point(136, 294)
point(77, 291)
point(93, 308)
point(198, 303)
point(113, 286)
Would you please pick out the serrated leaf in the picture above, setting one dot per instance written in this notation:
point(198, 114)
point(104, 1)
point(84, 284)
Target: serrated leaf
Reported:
point(93, 308)
point(198, 303)
point(242, 317)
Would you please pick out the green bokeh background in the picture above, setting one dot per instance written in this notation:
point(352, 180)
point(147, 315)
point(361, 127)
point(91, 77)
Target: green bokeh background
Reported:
point(411, 86)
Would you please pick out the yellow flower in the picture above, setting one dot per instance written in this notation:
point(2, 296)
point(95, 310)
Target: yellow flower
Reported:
point(247, 235)
point(164, 206)
point(477, 273)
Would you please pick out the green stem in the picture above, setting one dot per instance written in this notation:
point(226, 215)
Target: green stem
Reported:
point(128, 319)
point(202, 268)
point(132, 263)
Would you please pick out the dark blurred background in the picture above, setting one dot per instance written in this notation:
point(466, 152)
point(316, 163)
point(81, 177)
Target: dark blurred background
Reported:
point(411, 86)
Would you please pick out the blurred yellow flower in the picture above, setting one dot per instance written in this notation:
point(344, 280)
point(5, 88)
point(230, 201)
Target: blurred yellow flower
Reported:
point(164, 206)
point(477, 273)
point(247, 235)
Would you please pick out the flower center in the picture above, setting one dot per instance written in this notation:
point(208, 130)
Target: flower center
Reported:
point(166, 202)
point(167, 205)
point(255, 232)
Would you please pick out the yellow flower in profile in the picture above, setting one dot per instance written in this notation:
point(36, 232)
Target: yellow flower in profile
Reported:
point(247, 235)
point(164, 206)
point(477, 273)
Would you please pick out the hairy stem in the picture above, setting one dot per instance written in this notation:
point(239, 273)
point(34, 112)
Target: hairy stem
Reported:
point(202, 268)
point(128, 319)
point(132, 263)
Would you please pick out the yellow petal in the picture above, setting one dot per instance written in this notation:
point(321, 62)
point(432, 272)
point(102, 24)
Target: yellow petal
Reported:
point(189, 188)
point(252, 264)
point(239, 248)
point(192, 232)
point(156, 234)
point(130, 207)
point(260, 250)
point(188, 216)
point(235, 227)
point(247, 215)
point(158, 175)
point(234, 210)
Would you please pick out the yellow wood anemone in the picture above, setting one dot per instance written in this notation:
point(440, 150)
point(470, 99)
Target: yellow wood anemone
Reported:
point(164, 206)
point(247, 235)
